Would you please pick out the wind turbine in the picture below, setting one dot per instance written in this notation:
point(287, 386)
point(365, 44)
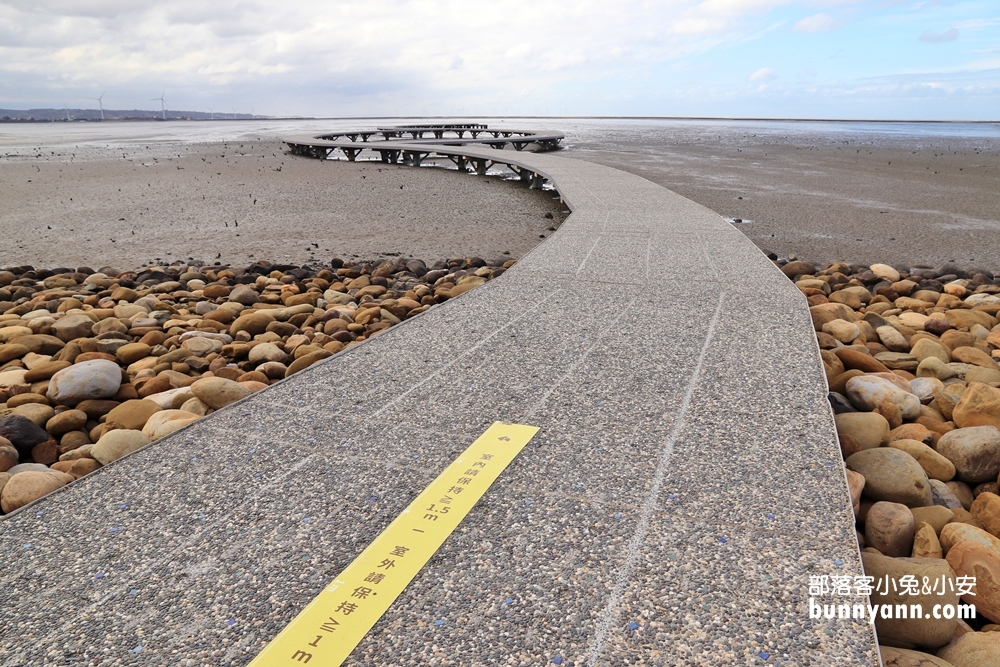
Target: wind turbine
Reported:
point(211, 111)
point(234, 113)
point(163, 104)
point(100, 101)
point(66, 109)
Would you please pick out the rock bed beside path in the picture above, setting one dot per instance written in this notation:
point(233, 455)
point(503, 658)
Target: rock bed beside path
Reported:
point(911, 357)
point(96, 364)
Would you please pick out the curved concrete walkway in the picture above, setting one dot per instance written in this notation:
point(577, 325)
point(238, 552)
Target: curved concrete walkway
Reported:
point(685, 483)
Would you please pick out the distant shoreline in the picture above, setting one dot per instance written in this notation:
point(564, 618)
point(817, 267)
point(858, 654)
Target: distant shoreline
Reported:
point(90, 116)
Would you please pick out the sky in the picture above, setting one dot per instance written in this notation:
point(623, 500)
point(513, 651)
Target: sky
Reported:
point(856, 59)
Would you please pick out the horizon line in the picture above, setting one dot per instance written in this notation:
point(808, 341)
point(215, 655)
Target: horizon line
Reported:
point(520, 116)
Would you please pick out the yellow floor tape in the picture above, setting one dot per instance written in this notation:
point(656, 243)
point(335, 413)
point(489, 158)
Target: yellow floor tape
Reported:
point(329, 628)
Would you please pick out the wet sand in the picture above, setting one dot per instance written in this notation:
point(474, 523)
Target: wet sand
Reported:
point(239, 202)
point(820, 195)
point(860, 198)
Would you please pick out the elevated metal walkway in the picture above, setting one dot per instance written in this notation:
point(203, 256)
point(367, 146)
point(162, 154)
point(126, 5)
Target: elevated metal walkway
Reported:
point(409, 140)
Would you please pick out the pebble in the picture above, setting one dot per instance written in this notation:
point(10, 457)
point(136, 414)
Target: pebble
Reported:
point(842, 330)
point(970, 559)
point(892, 475)
point(926, 348)
point(22, 433)
point(902, 657)
point(28, 467)
point(979, 406)
point(90, 380)
point(975, 452)
point(73, 326)
point(986, 510)
point(66, 421)
point(36, 412)
point(936, 466)
point(870, 429)
point(855, 484)
point(76, 367)
point(870, 392)
point(885, 272)
point(158, 420)
point(923, 430)
point(202, 346)
point(963, 492)
point(973, 649)
point(892, 339)
point(218, 392)
point(924, 387)
point(957, 532)
point(115, 444)
point(131, 415)
point(927, 632)
point(926, 543)
point(265, 352)
point(941, 494)
point(889, 528)
point(8, 455)
point(28, 486)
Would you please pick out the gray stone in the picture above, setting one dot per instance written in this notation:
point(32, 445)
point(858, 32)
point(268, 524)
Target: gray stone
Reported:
point(245, 295)
point(943, 495)
point(867, 392)
point(22, 433)
point(29, 467)
point(88, 380)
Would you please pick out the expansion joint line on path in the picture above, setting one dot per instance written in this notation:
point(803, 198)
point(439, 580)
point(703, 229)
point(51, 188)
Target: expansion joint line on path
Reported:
point(623, 575)
point(459, 357)
point(142, 571)
point(600, 337)
point(292, 469)
point(579, 359)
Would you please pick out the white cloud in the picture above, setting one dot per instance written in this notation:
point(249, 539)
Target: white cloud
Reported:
point(355, 57)
point(817, 23)
point(248, 48)
point(977, 24)
point(717, 16)
point(949, 35)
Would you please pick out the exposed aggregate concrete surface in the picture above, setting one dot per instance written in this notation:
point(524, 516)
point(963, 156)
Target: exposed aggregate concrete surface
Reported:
point(684, 485)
